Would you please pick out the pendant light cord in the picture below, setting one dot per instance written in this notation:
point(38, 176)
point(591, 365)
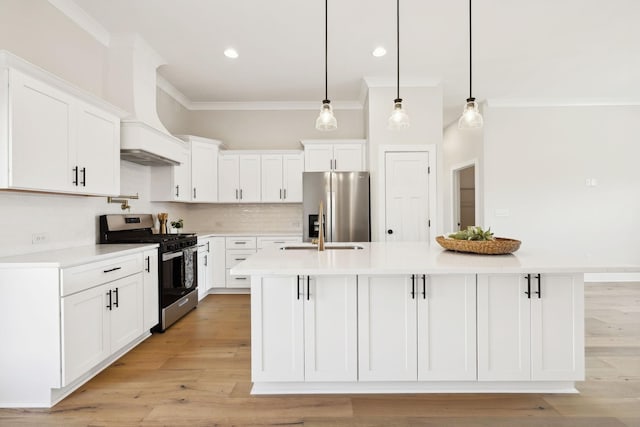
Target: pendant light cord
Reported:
point(398, 47)
point(326, 42)
point(470, 56)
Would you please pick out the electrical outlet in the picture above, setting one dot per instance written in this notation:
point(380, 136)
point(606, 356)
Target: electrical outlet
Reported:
point(39, 238)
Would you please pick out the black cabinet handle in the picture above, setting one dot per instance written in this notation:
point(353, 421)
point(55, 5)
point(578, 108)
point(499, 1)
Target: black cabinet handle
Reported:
point(115, 292)
point(528, 292)
point(177, 191)
point(281, 194)
point(208, 248)
point(298, 288)
point(307, 288)
point(84, 177)
point(194, 192)
point(413, 286)
point(424, 286)
point(241, 194)
point(285, 194)
point(148, 265)
point(206, 261)
point(75, 180)
point(389, 231)
point(539, 291)
point(109, 305)
point(111, 269)
point(240, 259)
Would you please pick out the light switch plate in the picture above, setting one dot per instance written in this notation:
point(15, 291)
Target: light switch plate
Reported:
point(37, 238)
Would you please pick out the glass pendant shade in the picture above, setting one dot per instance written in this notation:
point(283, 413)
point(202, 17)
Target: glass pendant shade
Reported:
point(399, 119)
point(326, 121)
point(471, 117)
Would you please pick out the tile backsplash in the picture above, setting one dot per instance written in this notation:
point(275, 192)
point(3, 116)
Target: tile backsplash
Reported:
point(244, 218)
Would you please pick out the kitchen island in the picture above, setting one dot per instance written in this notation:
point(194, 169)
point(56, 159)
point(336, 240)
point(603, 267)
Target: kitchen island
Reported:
point(411, 318)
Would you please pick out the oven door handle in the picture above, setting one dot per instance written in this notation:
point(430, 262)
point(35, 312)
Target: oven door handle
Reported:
point(171, 255)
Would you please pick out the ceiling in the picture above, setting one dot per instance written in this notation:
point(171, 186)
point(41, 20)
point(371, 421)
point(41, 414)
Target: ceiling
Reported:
point(558, 51)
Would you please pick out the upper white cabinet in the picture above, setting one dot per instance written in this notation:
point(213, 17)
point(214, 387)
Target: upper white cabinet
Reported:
point(334, 155)
point(282, 177)
point(195, 179)
point(54, 137)
point(524, 332)
point(239, 177)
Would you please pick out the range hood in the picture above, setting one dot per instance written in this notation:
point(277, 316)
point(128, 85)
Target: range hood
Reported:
point(131, 84)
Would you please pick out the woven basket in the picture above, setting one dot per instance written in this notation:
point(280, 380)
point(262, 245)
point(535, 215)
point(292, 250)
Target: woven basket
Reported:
point(498, 246)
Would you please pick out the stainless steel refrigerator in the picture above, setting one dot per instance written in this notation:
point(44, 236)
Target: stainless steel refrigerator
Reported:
point(346, 206)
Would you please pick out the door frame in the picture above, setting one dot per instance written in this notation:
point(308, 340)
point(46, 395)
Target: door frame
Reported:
point(453, 184)
point(404, 148)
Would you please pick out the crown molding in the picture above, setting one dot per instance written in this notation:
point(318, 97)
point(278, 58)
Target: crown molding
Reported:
point(272, 105)
point(83, 20)
point(173, 92)
point(567, 102)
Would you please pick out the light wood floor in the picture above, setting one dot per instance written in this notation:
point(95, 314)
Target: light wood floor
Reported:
point(198, 374)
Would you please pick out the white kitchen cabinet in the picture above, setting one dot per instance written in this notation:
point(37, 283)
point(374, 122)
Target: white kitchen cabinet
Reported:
point(217, 252)
point(151, 288)
point(53, 136)
point(270, 242)
point(416, 327)
point(334, 155)
point(205, 266)
point(387, 328)
point(239, 178)
point(304, 328)
point(203, 154)
point(523, 327)
point(100, 321)
point(173, 183)
point(446, 327)
point(281, 177)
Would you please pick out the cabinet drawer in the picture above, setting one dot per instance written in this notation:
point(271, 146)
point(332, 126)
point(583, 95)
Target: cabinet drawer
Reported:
point(235, 257)
point(241, 242)
point(75, 279)
point(238, 281)
point(275, 241)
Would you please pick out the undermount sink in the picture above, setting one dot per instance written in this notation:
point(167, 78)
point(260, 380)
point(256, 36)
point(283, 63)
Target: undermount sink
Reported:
point(326, 247)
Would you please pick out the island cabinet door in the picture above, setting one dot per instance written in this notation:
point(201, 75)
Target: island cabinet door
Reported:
point(447, 328)
point(277, 338)
point(503, 328)
point(557, 327)
point(330, 328)
point(387, 321)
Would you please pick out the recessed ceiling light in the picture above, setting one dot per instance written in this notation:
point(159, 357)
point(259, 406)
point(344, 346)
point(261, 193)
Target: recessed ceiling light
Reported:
point(231, 53)
point(379, 51)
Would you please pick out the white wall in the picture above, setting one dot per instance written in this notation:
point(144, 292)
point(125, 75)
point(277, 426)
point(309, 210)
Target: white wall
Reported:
point(460, 147)
point(271, 129)
point(536, 162)
point(424, 106)
point(70, 220)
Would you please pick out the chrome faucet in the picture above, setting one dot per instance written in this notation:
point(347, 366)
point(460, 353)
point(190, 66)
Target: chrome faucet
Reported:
point(320, 228)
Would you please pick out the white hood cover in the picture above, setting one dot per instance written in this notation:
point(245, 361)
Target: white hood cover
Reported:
point(131, 84)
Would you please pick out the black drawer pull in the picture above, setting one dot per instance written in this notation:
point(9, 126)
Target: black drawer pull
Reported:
point(539, 291)
point(528, 292)
point(84, 177)
point(111, 269)
point(148, 265)
point(115, 304)
point(240, 259)
point(109, 305)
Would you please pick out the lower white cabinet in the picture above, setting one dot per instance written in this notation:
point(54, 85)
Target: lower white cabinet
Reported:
point(530, 327)
point(98, 322)
point(79, 319)
point(416, 327)
point(151, 289)
point(304, 328)
point(205, 267)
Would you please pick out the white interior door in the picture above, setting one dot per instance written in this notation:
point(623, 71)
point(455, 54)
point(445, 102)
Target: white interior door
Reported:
point(407, 196)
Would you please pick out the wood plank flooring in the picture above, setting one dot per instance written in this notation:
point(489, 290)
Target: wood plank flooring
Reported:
point(198, 374)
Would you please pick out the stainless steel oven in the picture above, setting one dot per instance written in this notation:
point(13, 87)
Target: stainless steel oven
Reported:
point(177, 267)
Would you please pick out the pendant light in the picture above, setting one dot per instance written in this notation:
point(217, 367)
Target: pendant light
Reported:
point(471, 117)
point(398, 118)
point(326, 121)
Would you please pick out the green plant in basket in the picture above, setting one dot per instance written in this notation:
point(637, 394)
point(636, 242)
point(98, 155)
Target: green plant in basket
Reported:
point(177, 224)
point(473, 232)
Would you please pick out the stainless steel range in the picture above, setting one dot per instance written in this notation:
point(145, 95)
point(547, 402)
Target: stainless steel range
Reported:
point(177, 266)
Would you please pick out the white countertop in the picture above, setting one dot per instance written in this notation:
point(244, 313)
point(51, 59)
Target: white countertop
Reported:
point(420, 258)
point(70, 257)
